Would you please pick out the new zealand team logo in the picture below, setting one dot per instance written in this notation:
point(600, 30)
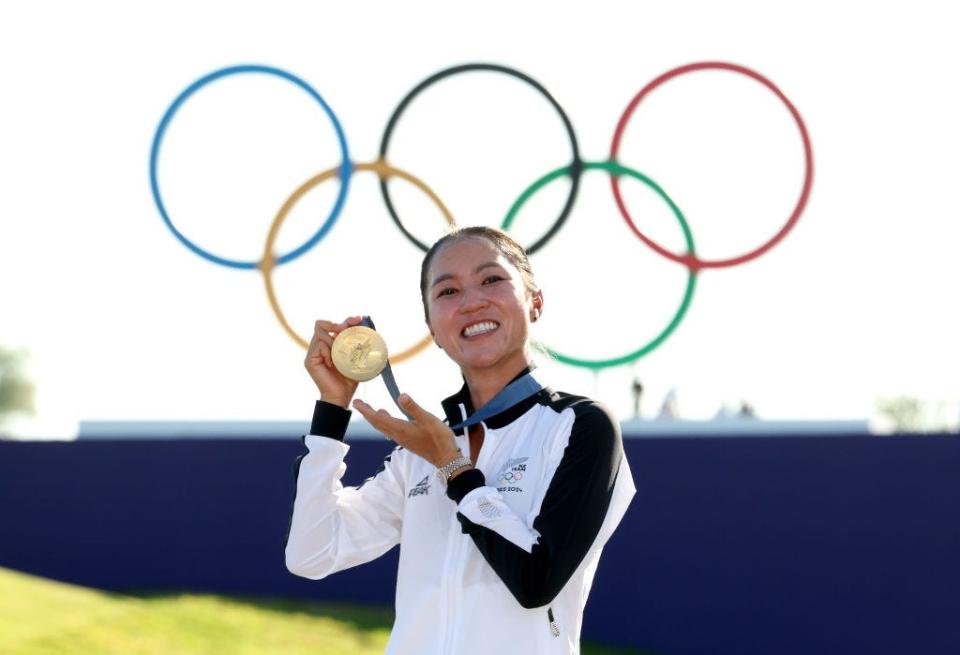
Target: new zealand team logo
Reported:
point(511, 474)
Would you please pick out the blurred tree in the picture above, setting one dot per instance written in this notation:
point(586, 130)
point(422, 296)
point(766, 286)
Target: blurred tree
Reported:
point(16, 391)
point(905, 412)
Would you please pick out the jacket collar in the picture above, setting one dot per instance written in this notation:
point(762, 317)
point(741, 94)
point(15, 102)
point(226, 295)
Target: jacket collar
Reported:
point(452, 406)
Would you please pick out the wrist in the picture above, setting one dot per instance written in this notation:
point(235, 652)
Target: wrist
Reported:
point(339, 401)
point(455, 464)
point(447, 457)
point(462, 469)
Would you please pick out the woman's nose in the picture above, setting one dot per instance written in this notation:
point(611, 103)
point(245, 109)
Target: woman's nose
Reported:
point(472, 300)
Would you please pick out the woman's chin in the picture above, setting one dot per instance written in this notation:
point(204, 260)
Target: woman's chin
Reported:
point(479, 361)
point(486, 358)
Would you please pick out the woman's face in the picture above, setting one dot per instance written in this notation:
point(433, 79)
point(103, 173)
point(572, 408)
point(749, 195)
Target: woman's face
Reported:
point(478, 305)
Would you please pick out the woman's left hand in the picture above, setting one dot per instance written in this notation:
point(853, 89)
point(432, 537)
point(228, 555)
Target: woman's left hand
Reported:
point(424, 435)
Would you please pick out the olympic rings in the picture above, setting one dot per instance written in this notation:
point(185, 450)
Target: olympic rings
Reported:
point(614, 169)
point(690, 260)
point(447, 72)
point(196, 86)
point(574, 170)
point(384, 171)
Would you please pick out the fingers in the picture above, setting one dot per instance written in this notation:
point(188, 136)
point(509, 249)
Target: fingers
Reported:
point(410, 406)
point(324, 333)
point(418, 414)
point(320, 344)
point(330, 326)
point(394, 428)
point(425, 436)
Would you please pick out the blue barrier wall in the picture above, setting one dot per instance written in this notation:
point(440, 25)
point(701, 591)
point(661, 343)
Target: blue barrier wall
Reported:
point(760, 545)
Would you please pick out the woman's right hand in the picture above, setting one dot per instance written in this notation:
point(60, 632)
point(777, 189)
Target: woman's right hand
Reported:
point(334, 387)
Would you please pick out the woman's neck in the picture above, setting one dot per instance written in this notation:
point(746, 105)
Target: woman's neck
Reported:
point(484, 384)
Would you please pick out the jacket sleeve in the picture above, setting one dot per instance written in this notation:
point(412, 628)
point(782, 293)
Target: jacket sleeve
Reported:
point(333, 527)
point(585, 500)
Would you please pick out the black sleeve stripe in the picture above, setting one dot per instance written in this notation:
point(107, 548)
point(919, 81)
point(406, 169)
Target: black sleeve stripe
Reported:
point(571, 514)
point(329, 420)
point(382, 467)
point(296, 477)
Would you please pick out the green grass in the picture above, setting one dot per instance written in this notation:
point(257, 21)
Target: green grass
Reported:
point(43, 617)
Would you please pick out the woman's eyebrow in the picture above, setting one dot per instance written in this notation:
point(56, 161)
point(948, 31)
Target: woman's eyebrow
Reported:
point(446, 276)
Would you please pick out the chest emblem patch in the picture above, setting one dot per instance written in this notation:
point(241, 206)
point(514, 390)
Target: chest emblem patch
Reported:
point(511, 474)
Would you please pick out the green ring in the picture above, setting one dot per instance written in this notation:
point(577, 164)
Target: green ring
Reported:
point(615, 168)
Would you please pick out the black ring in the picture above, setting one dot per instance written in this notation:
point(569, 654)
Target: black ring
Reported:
point(576, 168)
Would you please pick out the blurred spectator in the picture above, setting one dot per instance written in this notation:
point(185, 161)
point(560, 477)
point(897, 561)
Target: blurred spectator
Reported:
point(669, 409)
point(637, 392)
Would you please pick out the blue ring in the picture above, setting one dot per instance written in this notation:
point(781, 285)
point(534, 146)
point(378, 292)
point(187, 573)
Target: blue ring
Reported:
point(346, 169)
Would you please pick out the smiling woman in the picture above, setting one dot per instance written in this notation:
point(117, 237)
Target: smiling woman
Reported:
point(527, 483)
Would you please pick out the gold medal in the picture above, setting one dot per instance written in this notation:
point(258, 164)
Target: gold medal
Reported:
point(359, 353)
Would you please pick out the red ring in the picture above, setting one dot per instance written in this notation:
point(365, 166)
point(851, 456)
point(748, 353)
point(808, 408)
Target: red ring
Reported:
point(689, 260)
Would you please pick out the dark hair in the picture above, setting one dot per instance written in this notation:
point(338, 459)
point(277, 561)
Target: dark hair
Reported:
point(503, 242)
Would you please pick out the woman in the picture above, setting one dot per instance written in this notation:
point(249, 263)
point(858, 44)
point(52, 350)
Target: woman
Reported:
point(498, 552)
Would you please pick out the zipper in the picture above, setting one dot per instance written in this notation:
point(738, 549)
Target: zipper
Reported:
point(554, 628)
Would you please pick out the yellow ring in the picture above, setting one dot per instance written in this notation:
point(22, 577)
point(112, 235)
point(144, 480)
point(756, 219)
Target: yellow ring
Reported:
point(266, 265)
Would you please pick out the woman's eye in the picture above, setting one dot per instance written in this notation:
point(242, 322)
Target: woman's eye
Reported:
point(446, 292)
point(492, 278)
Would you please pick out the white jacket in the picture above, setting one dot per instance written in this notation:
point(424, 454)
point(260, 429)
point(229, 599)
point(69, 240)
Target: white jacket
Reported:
point(502, 560)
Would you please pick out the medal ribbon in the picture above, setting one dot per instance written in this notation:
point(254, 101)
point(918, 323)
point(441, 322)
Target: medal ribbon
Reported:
point(518, 390)
point(387, 374)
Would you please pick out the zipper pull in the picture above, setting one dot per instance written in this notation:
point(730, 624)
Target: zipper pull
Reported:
point(554, 628)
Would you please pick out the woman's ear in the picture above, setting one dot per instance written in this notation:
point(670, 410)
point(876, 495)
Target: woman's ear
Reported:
point(537, 306)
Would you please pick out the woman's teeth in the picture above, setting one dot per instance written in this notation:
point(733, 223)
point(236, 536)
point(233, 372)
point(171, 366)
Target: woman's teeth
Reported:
point(480, 328)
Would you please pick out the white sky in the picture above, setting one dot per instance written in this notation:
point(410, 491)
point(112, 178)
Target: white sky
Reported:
point(123, 322)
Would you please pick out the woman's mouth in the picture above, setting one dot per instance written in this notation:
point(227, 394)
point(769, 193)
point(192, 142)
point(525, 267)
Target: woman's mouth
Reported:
point(478, 329)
